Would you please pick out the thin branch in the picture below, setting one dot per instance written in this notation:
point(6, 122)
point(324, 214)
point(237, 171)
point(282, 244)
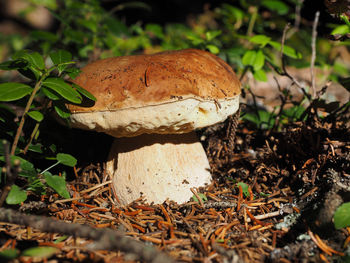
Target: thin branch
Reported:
point(284, 69)
point(313, 54)
point(105, 239)
point(254, 11)
point(36, 128)
point(297, 19)
point(26, 109)
point(298, 14)
point(284, 35)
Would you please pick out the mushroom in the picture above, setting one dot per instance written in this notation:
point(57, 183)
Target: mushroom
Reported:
point(153, 104)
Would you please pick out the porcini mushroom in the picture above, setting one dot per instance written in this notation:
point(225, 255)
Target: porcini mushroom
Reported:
point(152, 104)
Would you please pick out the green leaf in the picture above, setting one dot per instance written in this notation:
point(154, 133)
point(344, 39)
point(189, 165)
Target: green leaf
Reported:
point(51, 94)
point(89, 24)
point(244, 188)
point(275, 5)
point(61, 109)
point(34, 58)
point(62, 59)
point(294, 112)
point(195, 39)
point(66, 159)
point(60, 239)
point(342, 216)
point(27, 168)
point(73, 72)
point(60, 56)
point(342, 30)
point(40, 252)
point(37, 148)
point(260, 39)
point(36, 115)
point(287, 50)
point(249, 58)
point(213, 49)
point(210, 35)
point(44, 36)
point(50, 4)
point(84, 92)
point(9, 254)
point(11, 91)
point(58, 183)
point(37, 187)
point(62, 88)
point(16, 195)
point(259, 60)
point(202, 196)
point(260, 75)
point(14, 64)
point(155, 30)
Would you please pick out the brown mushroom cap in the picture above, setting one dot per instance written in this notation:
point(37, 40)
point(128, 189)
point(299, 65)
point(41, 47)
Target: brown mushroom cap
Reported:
point(142, 80)
point(168, 92)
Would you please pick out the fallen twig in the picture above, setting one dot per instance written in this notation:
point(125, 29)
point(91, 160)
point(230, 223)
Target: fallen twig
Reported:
point(105, 239)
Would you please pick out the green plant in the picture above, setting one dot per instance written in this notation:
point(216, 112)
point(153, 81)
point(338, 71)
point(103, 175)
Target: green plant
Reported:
point(342, 216)
point(42, 252)
point(203, 197)
point(47, 90)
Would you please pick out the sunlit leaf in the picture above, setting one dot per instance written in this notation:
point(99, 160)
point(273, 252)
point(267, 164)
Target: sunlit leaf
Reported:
point(213, 49)
point(249, 58)
point(60, 56)
point(60, 239)
point(40, 252)
point(58, 183)
point(244, 188)
point(62, 88)
point(34, 58)
point(276, 5)
point(260, 39)
point(287, 50)
point(260, 75)
point(50, 4)
point(210, 35)
point(84, 92)
point(201, 196)
point(36, 115)
point(73, 72)
point(61, 109)
point(342, 30)
point(155, 29)
point(51, 94)
point(9, 254)
point(66, 159)
point(342, 216)
point(259, 60)
point(11, 91)
point(16, 195)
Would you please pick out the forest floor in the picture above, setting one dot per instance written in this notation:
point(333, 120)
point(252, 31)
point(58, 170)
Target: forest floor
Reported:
point(272, 199)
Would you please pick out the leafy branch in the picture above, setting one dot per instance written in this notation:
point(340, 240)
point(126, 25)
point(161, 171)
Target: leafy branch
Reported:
point(47, 88)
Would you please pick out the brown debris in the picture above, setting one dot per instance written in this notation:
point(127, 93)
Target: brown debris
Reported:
point(288, 175)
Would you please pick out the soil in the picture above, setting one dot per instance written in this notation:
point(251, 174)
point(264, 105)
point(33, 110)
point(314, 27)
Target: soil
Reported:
point(272, 199)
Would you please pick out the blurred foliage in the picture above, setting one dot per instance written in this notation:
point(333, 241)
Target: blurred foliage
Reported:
point(47, 91)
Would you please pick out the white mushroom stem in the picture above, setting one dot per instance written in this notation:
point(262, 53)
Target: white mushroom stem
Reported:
point(157, 167)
